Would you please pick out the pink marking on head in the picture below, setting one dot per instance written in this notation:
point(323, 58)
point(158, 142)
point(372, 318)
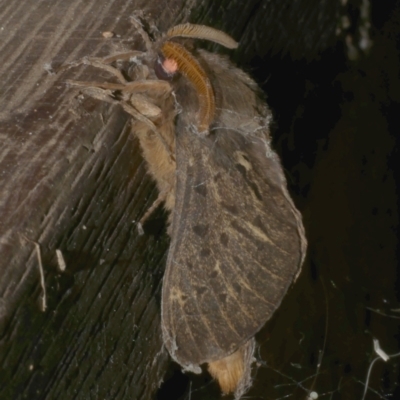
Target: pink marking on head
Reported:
point(170, 66)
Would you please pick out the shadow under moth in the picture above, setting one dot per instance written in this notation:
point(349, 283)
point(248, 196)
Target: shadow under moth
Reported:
point(237, 239)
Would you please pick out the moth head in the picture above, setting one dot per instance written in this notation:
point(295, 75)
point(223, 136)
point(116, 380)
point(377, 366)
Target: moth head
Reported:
point(174, 57)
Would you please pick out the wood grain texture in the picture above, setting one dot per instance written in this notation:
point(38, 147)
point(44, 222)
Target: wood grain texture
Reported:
point(72, 179)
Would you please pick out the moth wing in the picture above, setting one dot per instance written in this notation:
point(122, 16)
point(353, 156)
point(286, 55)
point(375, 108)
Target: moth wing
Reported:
point(237, 244)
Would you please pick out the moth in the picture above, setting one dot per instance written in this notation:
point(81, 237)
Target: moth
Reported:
point(237, 239)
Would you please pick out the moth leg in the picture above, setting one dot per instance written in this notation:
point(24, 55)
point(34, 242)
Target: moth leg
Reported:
point(135, 20)
point(122, 56)
point(129, 87)
point(161, 198)
point(97, 63)
point(95, 90)
point(142, 104)
point(137, 115)
point(98, 93)
point(101, 85)
point(144, 85)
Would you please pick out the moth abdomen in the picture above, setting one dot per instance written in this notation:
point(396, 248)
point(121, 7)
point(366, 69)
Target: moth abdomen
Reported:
point(230, 371)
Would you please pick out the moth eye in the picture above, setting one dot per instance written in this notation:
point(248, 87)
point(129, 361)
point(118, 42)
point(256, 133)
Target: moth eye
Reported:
point(165, 68)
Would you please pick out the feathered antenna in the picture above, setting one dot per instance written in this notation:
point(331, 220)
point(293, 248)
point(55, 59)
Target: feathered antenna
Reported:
point(202, 32)
point(193, 71)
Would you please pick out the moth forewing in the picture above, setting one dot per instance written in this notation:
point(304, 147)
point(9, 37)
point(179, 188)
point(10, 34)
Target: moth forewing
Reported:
point(237, 240)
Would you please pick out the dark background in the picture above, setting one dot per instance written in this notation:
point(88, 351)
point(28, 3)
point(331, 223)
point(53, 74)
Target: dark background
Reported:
point(72, 178)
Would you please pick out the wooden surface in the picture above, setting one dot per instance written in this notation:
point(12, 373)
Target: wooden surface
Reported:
point(72, 178)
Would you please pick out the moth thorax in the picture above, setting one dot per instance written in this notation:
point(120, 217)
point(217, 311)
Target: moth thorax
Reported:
point(165, 68)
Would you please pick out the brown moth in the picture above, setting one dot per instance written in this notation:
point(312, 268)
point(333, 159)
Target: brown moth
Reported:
point(237, 239)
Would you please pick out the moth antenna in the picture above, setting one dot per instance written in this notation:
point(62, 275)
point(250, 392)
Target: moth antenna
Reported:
point(202, 32)
point(228, 371)
point(193, 71)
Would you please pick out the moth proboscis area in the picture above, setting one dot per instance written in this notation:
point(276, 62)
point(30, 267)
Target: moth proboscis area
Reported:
point(237, 239)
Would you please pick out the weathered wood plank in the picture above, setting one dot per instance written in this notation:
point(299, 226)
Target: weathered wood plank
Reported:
point(72, 179)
